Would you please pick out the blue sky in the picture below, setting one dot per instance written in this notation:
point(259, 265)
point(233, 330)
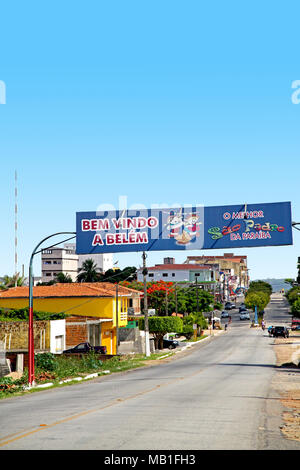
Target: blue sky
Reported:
point(161, 102)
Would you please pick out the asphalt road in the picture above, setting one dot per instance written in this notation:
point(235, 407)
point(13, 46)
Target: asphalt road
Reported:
point(217, 396)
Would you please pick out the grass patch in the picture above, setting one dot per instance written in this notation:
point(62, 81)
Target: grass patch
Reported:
point(55, 368)
point(194, 340)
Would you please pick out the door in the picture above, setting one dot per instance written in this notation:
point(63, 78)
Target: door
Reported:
point(94, 334)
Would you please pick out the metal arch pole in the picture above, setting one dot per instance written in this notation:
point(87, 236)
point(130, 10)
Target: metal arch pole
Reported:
point(30, 320)
point(147, 342)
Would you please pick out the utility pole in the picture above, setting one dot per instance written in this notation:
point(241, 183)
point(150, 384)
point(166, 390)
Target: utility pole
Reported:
point(147, 344)
point(117, 318)
point(16, 229)
point(197, 294)
point(167, 302)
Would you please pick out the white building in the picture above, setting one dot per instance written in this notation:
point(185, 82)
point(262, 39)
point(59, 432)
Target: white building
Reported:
point(59, 260)
point(172, 272)
point(104, 261)
point(65, 260)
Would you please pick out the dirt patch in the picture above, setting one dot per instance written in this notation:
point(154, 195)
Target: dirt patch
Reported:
point(287, 383)
point(15, 375)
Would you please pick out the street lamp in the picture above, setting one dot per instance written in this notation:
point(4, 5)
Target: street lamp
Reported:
point(30, 320)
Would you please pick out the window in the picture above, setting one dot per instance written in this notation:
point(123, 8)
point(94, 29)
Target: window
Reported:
point(165, 274)
point(173, 274)
point(47, 262)
point(48, 274)
point(47, 252)
point(151, 275)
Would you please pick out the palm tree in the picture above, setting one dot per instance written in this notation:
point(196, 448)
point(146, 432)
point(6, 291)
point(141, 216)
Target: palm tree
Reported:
point(10, 281)
point(63, 278)
point(89, 272)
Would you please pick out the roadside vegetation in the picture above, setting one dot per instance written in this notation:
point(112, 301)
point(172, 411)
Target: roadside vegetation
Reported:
point(258, 296)
point(22, 314)
point(293, 294)
point(159, 326)
point(51, 368)
point(293, 297)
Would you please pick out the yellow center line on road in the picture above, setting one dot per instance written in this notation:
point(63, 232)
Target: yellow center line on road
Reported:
point(15, 437)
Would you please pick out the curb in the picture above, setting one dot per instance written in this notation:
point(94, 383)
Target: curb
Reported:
point(105, 372)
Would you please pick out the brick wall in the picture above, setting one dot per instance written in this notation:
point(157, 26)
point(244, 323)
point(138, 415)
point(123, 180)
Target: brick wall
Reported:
point(76, 331)
point(14, 335)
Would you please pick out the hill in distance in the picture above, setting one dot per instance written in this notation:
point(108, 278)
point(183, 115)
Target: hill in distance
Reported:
point(277, 284)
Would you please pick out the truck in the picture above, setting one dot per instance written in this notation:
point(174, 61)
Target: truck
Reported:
point(83, 348)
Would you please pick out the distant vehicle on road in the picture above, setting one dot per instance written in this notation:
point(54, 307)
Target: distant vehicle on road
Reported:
point(224, 314)
point(243, 309)
point(83, 348)
point(244, 316)
point(229, 306)
point(280, 331)
point(170, 343)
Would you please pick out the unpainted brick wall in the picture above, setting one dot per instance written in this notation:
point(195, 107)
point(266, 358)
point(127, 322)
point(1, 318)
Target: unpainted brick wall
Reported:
point(15, 334)
point(76, 331)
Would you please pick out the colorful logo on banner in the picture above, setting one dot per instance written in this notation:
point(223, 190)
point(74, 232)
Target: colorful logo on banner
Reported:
point(184, 228)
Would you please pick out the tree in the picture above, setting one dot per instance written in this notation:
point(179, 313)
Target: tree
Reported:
point(63, 278)
point(196, 318)
point(10, 281)
point(257, 299)
point(296, 308)
point(119, 275)
point(159, 326)
point(89, 272)
point(293, 294)
point(258, 295)
point(260, 286)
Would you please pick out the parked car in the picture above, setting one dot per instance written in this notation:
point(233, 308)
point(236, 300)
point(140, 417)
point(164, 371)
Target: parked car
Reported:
point(244, 316)
point(296, 324)
point(224, 314)
point(170, 343)
point(280, 331)
point(83, 348)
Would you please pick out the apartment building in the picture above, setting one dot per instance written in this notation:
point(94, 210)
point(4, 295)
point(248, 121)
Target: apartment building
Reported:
point(65, 260)
point(59, 260)
point(235, 266)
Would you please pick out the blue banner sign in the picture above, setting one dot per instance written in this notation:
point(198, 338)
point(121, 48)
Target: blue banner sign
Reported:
point(192, 228)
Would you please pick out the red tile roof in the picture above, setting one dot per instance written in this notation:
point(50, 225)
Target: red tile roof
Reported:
point(72, 289)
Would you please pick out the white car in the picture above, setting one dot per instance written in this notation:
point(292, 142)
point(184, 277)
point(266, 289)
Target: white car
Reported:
point(224, 314)
point(244, 316)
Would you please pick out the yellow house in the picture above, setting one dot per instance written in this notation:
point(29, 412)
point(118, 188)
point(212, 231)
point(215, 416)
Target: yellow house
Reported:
point(96, 299)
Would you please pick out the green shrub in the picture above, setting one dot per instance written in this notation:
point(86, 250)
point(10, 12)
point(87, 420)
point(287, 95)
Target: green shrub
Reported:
point(45, 361)
point(159, 326)
point(187, 331)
